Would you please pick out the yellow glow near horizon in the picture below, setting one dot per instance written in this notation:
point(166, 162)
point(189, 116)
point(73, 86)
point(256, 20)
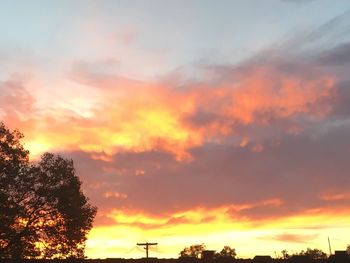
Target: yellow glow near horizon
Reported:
point(294, 233)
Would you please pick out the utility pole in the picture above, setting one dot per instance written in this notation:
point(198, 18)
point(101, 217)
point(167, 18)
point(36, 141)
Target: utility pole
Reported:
point(146, 246)
point(329, 245)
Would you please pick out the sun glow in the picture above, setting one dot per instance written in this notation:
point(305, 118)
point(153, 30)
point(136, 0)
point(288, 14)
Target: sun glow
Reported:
point(215, 228)
point(37, 146)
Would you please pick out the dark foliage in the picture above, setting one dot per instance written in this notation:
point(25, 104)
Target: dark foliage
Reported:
point(194, 251)
point(226, 252)
point(313, 253)
point(43, 212)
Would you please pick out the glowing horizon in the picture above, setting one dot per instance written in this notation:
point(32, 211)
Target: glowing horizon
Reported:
point(189, 126)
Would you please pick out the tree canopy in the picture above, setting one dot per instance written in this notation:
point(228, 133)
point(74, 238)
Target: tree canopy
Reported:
point(313, 253)
point(227, 252)
point(194, 251)
point(43, 211)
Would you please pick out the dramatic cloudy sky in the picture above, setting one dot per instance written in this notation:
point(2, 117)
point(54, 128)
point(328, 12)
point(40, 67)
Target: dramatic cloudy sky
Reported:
point(216, 122)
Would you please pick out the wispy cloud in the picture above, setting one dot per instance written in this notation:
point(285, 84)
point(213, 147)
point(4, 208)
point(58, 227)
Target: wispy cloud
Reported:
point(295, 238)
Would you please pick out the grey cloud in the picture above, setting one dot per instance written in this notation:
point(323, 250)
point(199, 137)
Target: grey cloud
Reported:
point(297, 172)
point(338, 56)
point(298, 1)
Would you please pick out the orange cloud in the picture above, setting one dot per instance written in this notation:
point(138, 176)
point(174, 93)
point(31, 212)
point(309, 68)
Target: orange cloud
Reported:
point(286, 237)
point(139, 116)
point(265, 90)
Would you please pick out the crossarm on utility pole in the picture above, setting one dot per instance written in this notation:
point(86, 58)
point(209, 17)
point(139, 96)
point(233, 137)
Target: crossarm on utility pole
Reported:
point(146, 246)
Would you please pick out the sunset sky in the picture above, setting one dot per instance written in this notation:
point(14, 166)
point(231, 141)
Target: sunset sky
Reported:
point(189, 121)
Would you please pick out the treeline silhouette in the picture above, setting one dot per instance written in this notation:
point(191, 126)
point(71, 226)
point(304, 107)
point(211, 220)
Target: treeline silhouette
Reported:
point(199, 251)
point(338, 257)
point(205, 256)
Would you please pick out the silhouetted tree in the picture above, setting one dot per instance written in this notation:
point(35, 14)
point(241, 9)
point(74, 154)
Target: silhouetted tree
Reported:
point(194, 251)
point(226, 252)
point(348, 249)
point(43, 212)
point(13, 163)
point(314, 253)
point(285, 254)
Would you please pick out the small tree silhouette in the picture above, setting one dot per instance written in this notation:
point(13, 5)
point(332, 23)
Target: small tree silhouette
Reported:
point(226, 252)
point(285, 254)
point(194, 251)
